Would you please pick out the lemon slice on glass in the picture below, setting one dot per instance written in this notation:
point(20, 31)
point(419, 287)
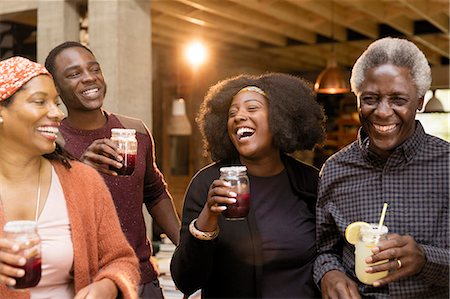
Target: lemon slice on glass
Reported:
point(352, 231)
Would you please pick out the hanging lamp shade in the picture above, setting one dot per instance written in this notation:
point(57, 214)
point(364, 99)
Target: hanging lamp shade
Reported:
point(179, 124)
point(332, 80)
point(434, 105)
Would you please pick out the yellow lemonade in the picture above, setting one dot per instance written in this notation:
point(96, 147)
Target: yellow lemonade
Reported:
point(368, 239)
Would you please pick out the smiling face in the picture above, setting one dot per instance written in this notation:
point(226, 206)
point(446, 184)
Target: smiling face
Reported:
point(248, 126)
point(31, 120)
point(387, 104)
point(79, 79)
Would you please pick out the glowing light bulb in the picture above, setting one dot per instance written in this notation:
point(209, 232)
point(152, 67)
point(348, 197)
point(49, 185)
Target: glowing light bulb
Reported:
point(196, 53)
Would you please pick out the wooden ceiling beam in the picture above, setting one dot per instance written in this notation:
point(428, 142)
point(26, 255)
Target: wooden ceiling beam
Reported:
point(266, 60)
point(295, 15)
point(260, 58)
point(196, 31)
point(236, 12)
point(199, 17)
point(345, 53)
point(173, 44)
point(341, 15)
point(443, 7)
point(323, 53)
point(433, 43)
point(293, 56)
point(426, 10)
point(378, 10)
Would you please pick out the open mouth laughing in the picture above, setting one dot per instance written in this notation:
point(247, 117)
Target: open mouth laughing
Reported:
point(49, 131)
point(244, 133)
point(92, 92)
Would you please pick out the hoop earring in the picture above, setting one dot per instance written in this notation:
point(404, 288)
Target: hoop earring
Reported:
point(1, 120)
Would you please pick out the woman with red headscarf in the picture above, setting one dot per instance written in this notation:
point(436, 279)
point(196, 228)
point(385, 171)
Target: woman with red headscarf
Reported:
point(84, 252)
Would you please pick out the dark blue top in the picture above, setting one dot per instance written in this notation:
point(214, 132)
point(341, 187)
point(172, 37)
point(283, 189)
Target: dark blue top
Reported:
point(232, 265)
point(287, 229)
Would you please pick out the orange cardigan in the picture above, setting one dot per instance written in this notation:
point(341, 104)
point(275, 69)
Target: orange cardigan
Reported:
point(100, 248)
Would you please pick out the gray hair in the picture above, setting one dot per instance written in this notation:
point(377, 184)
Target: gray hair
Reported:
point(398, 52)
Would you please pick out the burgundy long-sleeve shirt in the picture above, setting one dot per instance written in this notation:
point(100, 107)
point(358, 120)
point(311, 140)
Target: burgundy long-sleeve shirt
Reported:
point(145, 185)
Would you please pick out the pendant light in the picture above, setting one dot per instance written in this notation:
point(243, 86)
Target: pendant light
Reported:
point(179, 124)
point(332, 79)
point(434, 104)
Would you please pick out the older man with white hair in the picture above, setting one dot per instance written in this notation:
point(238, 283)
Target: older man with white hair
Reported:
point(393, 161)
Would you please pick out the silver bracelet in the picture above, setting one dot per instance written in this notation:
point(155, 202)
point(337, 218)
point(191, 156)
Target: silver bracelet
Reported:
point(205, 236)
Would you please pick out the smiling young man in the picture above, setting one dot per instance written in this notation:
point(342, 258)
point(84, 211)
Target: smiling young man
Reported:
point(393, 161)
point(87, 131)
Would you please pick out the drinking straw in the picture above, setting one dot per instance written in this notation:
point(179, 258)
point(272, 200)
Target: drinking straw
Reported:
point(383, 214)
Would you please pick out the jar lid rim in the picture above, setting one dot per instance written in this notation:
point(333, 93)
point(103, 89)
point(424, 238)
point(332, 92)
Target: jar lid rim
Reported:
point(233, 169)
point(19, 225)
point(373, 229)
point(123, 131)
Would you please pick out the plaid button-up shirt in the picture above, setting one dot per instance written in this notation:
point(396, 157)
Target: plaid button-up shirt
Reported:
point(414, 181)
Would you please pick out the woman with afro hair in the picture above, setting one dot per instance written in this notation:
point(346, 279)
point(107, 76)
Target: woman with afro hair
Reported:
point(254, 121)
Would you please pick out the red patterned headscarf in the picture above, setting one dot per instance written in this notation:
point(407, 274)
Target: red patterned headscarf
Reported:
point(15, 72)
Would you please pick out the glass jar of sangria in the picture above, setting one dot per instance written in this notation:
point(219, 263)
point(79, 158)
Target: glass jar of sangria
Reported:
point(238, 179)
point(25, 234)
point(127, 144)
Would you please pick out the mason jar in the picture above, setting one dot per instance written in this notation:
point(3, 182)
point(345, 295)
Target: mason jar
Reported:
point(238, 179)
point(125, 139)
point(25, 234)
point(369, 237)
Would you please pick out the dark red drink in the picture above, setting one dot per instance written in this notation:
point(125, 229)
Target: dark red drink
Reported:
point(238, 210)
point(235, 177)
point(32, 275)
point(128, 162)
point(24, 233)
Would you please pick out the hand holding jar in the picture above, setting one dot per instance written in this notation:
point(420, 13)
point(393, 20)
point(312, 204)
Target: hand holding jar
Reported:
point(236, 177)
point(126, 142)
point(21, 258)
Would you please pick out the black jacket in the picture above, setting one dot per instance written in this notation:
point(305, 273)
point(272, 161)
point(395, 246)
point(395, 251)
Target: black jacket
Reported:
point(231, 265)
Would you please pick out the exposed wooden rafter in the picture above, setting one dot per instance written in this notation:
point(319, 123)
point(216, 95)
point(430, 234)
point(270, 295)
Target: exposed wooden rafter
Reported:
point(303, 33)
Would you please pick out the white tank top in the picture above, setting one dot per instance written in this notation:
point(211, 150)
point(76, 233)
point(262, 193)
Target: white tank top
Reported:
point(57, 247)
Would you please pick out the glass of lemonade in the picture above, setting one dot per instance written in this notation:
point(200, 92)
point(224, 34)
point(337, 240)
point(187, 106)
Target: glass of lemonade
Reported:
point(368, 238)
